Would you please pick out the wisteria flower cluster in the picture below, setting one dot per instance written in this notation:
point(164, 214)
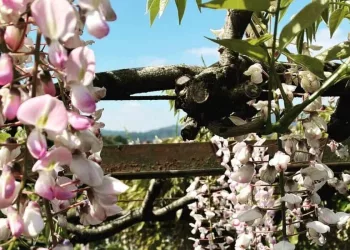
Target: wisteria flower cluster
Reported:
point(240, 207)
point(48, 96)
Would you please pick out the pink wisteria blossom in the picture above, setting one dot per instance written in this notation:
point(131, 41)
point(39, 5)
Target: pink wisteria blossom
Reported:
point(98, 13)
point(32, 220)
point(44, 112)
point(6, 69)
point(280, 161)
point(58, 24)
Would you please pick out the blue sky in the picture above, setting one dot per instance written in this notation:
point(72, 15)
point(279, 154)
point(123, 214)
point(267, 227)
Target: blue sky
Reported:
point(133, 43)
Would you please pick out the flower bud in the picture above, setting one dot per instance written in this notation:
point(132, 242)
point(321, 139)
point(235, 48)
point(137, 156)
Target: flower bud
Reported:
point(15, 222)
point(37, 144)
point(33, 222)
point(4, 230)
point(7, 183)
point(6, 69)
point(11, 100)
point(13, 36)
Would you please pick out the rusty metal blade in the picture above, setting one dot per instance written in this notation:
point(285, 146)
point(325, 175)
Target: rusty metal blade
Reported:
point(147, 161)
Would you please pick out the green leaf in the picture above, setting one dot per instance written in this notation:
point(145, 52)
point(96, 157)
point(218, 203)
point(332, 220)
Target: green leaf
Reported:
point(260, 40)
point(284, 6)
point(325, 15)
point(335, 19)
point(253, 5)
point(20, 135)
point(140, 226)
point(181, 6)
point(245, 48)
point(4, 136)
point(310, 63)
point(302, 20)
point(337, 52)
point(199, 3)
point(162, 5)
point(178, 214)
point(300, 42)
point(148, 5)
point(153, 9)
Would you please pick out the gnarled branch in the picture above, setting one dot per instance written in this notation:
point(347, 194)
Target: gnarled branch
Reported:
point(153, 191)
point(82, 234)
point(125, 82)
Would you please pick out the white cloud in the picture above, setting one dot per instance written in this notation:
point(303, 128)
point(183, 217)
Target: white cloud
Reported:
point(204, 51)
point(323, 37)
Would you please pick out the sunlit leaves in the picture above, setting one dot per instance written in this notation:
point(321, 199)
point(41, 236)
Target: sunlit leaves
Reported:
point(162, 6)
point(302, 20)
point(4, 136)
point(312, 64)
point(335, 19)
point(284, 7)
point(337, 52)
point(245, 48)
point(260, 40)
point(253, 5)
point(157, 7)
point(153, 8)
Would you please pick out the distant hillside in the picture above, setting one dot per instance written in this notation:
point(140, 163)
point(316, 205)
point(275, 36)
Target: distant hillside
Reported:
point(162, 133)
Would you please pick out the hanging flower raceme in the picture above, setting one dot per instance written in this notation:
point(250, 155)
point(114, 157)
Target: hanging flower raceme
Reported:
point(54, 129)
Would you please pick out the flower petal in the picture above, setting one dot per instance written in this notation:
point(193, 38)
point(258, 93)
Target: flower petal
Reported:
point(318, 227)
point(96, 24)
point(82, 99)
point(78, 122)
point(88, 172)
point(57, 55)
point(45, 112)
point(36, 144)
point(55, 18)
point(33, 222)
point(6, 69)
point(81, 66)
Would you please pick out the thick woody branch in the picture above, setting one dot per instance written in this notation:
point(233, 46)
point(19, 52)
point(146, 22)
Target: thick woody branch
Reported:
point(125, 82)
point(235, 25)
point(255, 126)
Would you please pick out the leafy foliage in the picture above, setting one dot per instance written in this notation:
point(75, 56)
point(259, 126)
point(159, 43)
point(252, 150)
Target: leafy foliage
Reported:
point(245, 48)
point(302, 20)
point(253, 5)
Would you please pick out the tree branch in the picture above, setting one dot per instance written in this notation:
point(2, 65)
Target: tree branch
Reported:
point(153, 192)
point(254, 126)
point(85, 235)
point(235, 25)
point(125, 82)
